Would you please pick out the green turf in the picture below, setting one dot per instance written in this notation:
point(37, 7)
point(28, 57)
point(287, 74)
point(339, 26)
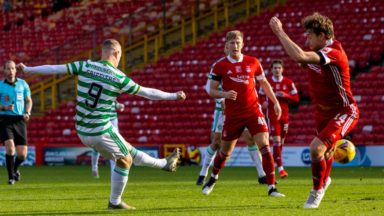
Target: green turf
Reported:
point(70, 190)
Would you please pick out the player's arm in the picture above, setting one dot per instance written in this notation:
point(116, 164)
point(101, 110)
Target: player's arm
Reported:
point(119, 106)
point(263, 99)
point(44, 69)
point(292, 96)
point(264, 84)
point(214, 91)
point(28, 108)
point(155, 94)
point(292, 49)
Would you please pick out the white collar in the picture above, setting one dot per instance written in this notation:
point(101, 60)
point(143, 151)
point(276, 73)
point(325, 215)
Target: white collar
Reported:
point(329, 42)
point(277, 80)
point(230, 59)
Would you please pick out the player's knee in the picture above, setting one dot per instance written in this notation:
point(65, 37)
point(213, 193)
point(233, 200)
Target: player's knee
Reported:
point(124, 162)
point(317, 151)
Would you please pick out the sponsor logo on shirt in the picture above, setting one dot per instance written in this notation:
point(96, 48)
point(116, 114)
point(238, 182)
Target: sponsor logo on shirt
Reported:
point(229, 72)
point(240, 79)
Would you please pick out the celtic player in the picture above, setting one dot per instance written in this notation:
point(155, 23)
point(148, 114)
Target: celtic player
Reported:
point(99, 83)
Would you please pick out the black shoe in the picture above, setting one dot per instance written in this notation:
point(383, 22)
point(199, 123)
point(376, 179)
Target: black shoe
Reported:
point(16, 175)
point(122, 205)
point(11, 181)
point(208, 187)
point(274, 193)
point(200, 180)
point(263, 180)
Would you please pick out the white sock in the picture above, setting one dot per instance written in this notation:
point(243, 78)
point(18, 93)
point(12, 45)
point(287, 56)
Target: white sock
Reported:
point(143, 159)
point(112, 163)
point(271, 186)
point(95, 160)
point(280, 168)
point(119, 179)
point(256, 158)
point(207, 161)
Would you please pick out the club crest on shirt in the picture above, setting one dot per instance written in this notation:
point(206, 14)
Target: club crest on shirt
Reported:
point(248, 69)
point(238, 69)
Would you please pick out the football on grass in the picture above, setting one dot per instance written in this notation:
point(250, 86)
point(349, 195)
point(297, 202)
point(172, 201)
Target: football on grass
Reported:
point(345, 151)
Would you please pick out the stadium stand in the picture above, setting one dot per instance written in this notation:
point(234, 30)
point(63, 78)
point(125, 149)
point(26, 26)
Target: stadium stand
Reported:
point(359, 25)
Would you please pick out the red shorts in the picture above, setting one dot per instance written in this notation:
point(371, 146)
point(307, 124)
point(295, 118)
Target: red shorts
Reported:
point(278, 127)
point(334, 125)
point(234, 127)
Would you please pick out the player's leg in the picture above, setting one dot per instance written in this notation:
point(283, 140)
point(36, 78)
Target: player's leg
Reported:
point(95, 163)
point(221, 157)
point(169, 163)
point(209, 155)
point(262, 140)
point(21, 152)
point(9, 159)
point(141, 158)
point(20, 140)
point(112, 146)
point(255, 156)
point(319, 166)
point(276, 135)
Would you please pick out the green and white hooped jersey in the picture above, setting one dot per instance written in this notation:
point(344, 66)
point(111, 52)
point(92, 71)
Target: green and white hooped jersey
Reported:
point(98, 86)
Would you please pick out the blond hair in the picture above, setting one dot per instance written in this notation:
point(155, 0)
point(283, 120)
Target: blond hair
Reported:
point(233, 34)
point(319, 24)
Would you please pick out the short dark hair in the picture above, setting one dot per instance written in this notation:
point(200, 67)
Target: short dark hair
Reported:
point(277, 61)
point(319, 23)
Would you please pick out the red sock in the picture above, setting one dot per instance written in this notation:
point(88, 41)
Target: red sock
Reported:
point(329, 168)
point(277, 153)
point(219, 162)
point(318, 173)
point(268, 164)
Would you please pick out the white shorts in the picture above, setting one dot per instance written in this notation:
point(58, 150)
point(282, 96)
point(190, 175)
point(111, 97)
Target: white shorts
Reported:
point(218, 120)
point(110, 145)
point(115, 123)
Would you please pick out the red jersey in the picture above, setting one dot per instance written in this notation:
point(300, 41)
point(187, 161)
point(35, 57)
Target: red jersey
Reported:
point(240, 77)
point(289, 90)
point(330, 82)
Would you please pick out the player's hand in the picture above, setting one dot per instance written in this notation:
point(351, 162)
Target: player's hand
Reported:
point(9, 107)
point(231, 95)
point(277, 109)
point(120, 107)
point(280, 94)
point(21, 67)
point(275, 25)
point(26, 117)
point(264, 105)
point(181, 95)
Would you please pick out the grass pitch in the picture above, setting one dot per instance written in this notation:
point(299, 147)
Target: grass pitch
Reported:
point(71, 190)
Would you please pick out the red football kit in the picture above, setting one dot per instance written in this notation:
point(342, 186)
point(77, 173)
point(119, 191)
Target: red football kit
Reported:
point(290, 94)
point(336, 110)
point(245, 111)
